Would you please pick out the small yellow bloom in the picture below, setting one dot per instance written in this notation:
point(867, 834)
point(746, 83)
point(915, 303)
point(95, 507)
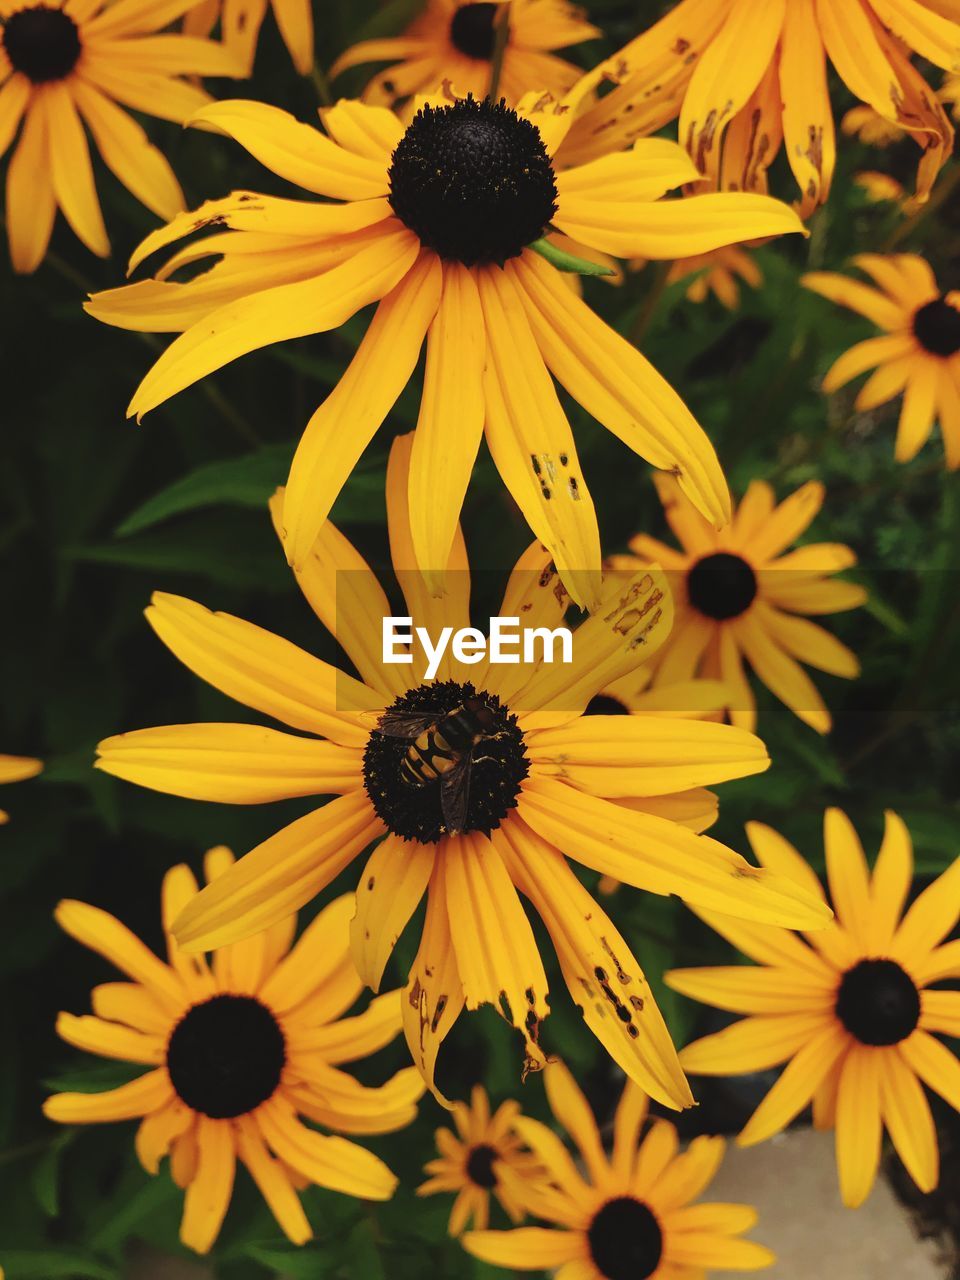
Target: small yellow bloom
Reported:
point(746, 77)
point(918, 353)
point(433, 221)
point(740, 593)
point(238, 1049)
point(455, 40)
point(850, 1009)
point(17, 769)
point(486, 1159)
point(870, 127)
point(719, 273)
point(627, 1216)
point(544, 784)
point(70, 65)
point(879, 186)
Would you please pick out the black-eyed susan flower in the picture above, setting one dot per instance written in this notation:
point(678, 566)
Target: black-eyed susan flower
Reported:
point(628, 1216)
point(63, 66)
point(917, 355)
point(455, 41)
point(747, 76)
point(17, 769)
point(533, 785)
point(719, 273)
point(434, 223)
point(239, 1049)
point(741, 594)
point(240, 23)
point(854, 1014)
point(485, 1158)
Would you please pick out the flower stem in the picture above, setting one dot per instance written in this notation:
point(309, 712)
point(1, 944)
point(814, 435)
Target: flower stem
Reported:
point(941, 193)
point(322, 85)
point(501, 33)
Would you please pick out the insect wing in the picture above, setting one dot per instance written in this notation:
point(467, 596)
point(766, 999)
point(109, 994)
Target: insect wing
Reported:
point(455, 796)
point(406, 724)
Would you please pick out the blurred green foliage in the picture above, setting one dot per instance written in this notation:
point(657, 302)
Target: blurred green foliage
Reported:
point(97, 513)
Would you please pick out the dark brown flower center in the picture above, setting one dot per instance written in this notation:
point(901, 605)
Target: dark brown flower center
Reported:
point(42, 42)
point(625, 1240)
point(936, 326)
point(473, 180)
point(226, 1056)
point(472, 30)
point(446, 759)
point(480, 1169)
point(602, 704)
point(878, 1002)
point(721, 586)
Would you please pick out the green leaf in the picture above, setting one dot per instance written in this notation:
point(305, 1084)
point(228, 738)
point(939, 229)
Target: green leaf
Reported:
point(45, 1177)
point(21, 1264)
point(567, 261)
point(310, 1264)
point(237, 482)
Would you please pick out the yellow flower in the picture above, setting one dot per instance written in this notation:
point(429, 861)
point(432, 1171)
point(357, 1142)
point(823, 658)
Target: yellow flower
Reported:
point(870, 127)
point(918, 354)
point(434, 223)
point(541, 786)
point(852, 1013)
point(739, 596)
point(718, 273)
point(238, 1049)
point(486, 1160)
point(879, 186)
point(455, 40)
point(746, 76)
point(240, 22)
point(63, 66)
point(629, 1216)
point(17, 769)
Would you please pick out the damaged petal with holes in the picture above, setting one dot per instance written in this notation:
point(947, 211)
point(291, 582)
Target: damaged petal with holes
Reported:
point(241, 1048)
point(747, 77)
point(470, 787)
point(444, 221)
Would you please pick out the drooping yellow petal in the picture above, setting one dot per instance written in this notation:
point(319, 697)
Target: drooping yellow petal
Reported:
point(280, 875)
point(341, 428)
point(262, 670)
point(230, 763)
point(622, 1014)
point(497, 954)
point(433, 997)
point(127, 1102)
point(272, 1181)
point(450, 424)
point(859, 1127)
point(329, 1161)
point(614, 383)
point(640, 756)
point(389, 891)
point(525, 1248)
point(662, 857)
point(31, 204)
point(811, 1063)
point(208, 1195)
point(277, 314)
point(297, 152)
point(906, 1114)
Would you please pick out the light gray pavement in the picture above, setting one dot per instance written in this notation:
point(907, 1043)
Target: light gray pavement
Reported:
point(792, 1181)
